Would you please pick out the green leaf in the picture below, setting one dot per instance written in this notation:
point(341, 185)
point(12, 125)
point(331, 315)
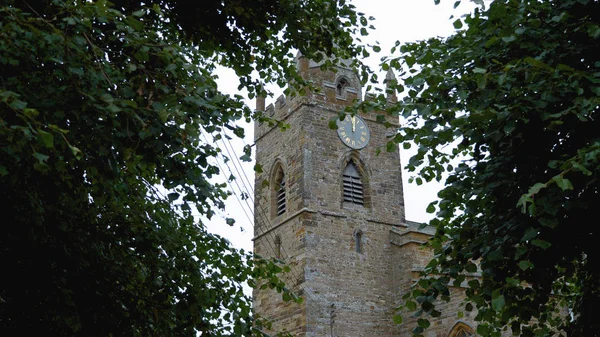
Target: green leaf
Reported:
point(524, 265)
point(551, 223)
point(31, 113)
point(18, 105)
point(40, 157)
point(536, 188)
point(391, 147)
point(509, 38)
point(581, 168)
point(135, 24)
point(512, 282)
point(397, 319)
point(541, 243)
point(333, 123)
point(411, 305)
point(536, 63)
point(594, 31)
point(481, 82)
point(469, 307)
point(530, 233)
point(76, 152)
point(471, 268)
point(423, 323)
point(76, 71)
point(562, 182)
point(46, 138)
point(498, 300)
point(457, 24)
point(431, 207)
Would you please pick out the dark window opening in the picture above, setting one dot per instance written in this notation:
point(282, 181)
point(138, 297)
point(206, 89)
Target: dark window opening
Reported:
point(358, 241)
point(278, 246)
point(341, 86)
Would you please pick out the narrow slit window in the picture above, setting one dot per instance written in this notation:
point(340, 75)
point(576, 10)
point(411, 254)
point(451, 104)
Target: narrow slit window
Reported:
point(278, 246)
point(353, 187)
point(358, 241)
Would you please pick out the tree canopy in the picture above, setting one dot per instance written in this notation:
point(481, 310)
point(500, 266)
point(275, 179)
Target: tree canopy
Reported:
point(507, 108)
point(102, 108)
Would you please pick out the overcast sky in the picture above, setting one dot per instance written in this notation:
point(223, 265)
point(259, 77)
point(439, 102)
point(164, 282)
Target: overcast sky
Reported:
point(396, 20)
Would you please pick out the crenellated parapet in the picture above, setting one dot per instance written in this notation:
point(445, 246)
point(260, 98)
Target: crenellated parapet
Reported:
point(335, 90)
point(280, 110)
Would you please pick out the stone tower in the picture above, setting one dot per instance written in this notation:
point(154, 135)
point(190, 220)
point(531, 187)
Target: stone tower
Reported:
point(332, 208)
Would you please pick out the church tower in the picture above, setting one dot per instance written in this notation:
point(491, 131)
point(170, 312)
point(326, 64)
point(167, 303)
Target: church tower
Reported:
point(329, 203)
point(326, 204)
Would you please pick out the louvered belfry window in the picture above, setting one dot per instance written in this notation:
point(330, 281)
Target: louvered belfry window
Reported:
point(353, 187)
point(280, 194)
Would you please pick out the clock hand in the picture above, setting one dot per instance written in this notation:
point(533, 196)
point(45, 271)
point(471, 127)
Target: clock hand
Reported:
point(353, 124)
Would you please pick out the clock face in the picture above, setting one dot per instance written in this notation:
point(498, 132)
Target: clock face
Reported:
point(353, 132)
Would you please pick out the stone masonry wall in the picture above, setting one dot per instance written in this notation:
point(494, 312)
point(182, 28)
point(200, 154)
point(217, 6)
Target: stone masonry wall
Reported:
point(347, 293)
point(273, 149)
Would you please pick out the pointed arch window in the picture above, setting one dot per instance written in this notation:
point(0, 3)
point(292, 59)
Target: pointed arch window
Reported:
point(463, 333)
point(353, 187)
point(461, 330)
point(341, 85)
point(278, 193)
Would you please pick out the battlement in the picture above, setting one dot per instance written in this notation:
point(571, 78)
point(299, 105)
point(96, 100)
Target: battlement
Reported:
point(280, 103)
point(336, 90)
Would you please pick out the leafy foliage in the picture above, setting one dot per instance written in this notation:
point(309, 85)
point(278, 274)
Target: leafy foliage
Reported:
point(507, 107)
point(102, 107)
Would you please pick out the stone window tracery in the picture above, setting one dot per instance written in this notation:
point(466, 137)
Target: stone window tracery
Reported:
point(461, 330)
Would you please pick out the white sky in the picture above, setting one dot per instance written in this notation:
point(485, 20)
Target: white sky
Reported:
point(402, 20)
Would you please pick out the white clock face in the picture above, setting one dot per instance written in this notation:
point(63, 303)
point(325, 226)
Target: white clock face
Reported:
point(353, 132)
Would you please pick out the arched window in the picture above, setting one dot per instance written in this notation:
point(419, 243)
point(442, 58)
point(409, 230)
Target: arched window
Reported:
point(461, 330)
point(278, 195)
point(358, 236)
point(353, 187)
point(277, 246)
point(341, 85)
